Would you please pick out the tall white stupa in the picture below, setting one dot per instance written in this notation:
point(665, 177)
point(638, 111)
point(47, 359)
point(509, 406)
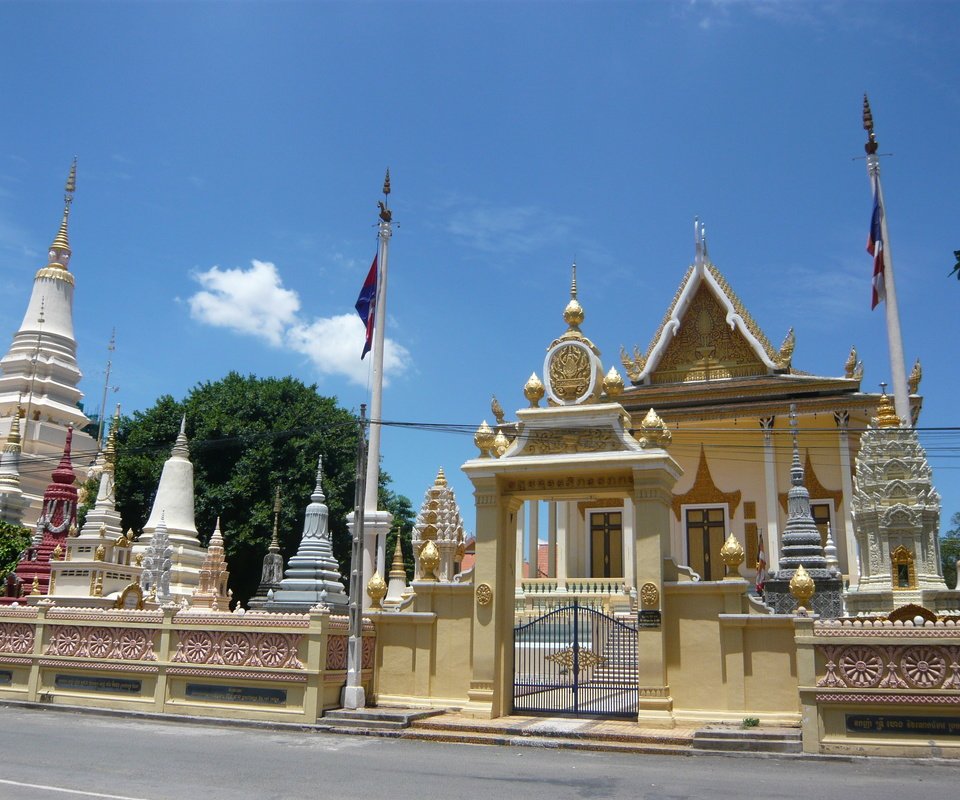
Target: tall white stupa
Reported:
point(173, 504)
point(39, 373)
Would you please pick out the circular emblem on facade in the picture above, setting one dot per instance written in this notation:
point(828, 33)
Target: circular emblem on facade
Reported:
point(649, 595)
point(484, 594)
point(570, 373)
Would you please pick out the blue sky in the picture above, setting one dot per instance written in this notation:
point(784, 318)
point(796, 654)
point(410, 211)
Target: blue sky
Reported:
point(231, 156)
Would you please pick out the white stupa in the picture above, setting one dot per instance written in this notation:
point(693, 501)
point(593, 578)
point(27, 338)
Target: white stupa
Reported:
point(174, 504)
point(40, 372)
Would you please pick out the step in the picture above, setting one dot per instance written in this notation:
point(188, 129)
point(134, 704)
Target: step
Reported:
point(749, 740)
point(377, 718)
point(572, 730)
point(530, 740)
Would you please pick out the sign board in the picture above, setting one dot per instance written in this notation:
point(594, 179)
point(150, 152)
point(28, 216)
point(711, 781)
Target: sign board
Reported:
point(648, 618)
point(900, 725)
point(248, 695)
point(97, 683)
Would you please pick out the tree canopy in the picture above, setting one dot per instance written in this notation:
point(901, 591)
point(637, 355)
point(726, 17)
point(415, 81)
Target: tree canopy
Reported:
point(950, 550)
point(247, 436)
point(13, 541)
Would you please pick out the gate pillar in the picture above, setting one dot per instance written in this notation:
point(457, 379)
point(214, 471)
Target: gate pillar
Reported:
point(652, 508)
point(494, 580)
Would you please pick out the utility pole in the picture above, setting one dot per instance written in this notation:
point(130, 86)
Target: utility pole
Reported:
point(353, 693)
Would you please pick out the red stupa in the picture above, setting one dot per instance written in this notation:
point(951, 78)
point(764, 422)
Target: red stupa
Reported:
point(58, 514)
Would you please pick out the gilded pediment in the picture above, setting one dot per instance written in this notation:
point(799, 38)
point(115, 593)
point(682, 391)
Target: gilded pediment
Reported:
point(705, 347)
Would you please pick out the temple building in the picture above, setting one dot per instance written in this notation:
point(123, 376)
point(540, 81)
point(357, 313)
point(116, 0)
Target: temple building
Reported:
point(713, 376)
point(39, 376)
point(174, 504)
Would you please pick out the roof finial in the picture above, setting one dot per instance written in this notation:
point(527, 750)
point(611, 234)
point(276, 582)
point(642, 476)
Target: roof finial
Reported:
point(60, 247)
point(385, 214)
point(871, 145)
point(274, 540)
point(573, 313)
point(796, 469)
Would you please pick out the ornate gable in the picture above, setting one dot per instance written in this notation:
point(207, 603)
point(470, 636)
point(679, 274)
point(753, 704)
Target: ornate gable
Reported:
point(706, 334)
point(705, 348)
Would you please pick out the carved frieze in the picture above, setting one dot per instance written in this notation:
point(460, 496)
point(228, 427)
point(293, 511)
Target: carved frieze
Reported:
point(915, 666)
point(16, 637)
point(238, 648)
point(570, 440)
point(87, 641)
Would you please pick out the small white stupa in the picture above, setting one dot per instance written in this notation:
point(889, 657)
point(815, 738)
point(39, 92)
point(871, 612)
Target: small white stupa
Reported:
point(174, 504)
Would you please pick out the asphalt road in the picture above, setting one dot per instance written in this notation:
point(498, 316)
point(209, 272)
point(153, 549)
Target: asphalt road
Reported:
point(55, 755)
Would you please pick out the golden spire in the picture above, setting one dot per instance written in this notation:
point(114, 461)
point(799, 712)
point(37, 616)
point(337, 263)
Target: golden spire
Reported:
point(386, 182)
point(441, 478)
point(886, 415)
point(60, 247)
point(385, 214)
point(397, 569)
point(573, 313)
point(13, 437)
point(871, 145)
point(110, 449)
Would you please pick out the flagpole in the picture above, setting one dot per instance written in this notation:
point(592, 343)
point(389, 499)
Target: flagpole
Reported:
point(377, 523)
point(898, 369)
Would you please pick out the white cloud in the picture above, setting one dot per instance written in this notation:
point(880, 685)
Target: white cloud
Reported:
point(334, 344)
point(255, 302)
point(249, 301)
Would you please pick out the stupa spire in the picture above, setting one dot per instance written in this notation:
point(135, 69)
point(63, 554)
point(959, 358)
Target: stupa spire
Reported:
point(60, 252)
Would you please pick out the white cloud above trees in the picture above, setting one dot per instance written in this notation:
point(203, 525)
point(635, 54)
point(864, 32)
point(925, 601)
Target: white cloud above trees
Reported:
point(254, 302)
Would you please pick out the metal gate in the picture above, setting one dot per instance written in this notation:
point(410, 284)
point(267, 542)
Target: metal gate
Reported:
point(575, 661)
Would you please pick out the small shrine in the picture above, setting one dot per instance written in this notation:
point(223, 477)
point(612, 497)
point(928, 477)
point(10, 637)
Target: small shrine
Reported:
point(212, 592)
point(272, 571)
point(802, 555)
point(437, 534)
point(897, 520)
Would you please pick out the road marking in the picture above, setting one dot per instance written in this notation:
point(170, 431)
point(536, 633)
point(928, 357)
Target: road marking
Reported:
point(63, 790)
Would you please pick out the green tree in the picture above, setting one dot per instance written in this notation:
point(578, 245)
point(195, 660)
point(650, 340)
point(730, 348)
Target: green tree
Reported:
point(13, 541)
point(247, 436)
point(950, 551)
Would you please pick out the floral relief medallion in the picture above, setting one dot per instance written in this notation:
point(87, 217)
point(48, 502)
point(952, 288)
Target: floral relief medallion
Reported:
point(484, 594)
point(861, 667)
point(649, 595)
point(923, 667)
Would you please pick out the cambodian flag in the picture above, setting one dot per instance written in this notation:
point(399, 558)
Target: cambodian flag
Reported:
point(875, 246)
point(761, 566)
point(367, 305)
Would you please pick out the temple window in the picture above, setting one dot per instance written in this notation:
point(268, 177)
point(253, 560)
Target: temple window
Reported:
point(821, 518)
point(606, 544)
point(706, 533)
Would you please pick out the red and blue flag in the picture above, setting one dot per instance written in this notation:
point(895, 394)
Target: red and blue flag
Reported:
point(367, 305)
point(875, 246)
